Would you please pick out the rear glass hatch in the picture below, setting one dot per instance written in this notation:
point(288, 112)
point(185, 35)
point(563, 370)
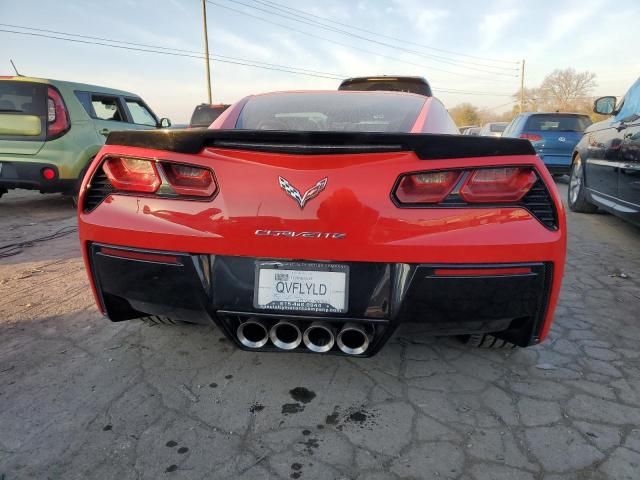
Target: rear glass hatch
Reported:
point(23, 117)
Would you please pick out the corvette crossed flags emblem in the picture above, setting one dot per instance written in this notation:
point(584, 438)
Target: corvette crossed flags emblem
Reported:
point(294, 193)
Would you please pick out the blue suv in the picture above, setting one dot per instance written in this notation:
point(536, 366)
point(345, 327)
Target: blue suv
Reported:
point(553, 135)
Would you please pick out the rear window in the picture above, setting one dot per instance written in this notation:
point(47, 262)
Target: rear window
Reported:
point(22, 110)
point(497, 127)
point(336, 112)
point(557, 123)
point(204, 115)
point(389, 85)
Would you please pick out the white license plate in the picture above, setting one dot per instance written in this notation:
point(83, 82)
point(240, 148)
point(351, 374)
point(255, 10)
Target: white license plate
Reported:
point(309, 287)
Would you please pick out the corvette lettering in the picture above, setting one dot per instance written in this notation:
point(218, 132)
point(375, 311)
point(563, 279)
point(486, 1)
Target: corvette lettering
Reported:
point(291, 234)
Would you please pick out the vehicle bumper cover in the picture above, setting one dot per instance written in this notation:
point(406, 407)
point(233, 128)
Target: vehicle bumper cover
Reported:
point(28, 175)
point(219, 289)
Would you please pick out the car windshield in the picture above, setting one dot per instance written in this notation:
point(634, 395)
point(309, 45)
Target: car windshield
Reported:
point(558, 123)
point(331, 111)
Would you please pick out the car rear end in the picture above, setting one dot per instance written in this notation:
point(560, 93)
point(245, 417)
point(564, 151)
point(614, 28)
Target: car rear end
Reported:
point(34, 128)
point(554, 137)
point(324, 241)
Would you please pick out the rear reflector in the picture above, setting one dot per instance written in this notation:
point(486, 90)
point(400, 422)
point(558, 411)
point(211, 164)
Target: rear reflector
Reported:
point(480, 272)
point(497, 185)
point(132, 174)
point(190, 180)
point(143, 256)
point(426, 187)
point(48, 173)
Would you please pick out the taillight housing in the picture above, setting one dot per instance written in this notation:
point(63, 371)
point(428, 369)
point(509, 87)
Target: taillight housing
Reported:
point(498, 185)
point(532, 137)
point(463, 186)
point(142, 175)
point(57, 116)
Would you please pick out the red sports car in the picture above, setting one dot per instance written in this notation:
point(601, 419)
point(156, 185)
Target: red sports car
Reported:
point(321, 221)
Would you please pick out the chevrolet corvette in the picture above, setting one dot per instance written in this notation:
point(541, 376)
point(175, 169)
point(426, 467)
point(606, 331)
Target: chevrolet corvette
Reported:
point(321, 221)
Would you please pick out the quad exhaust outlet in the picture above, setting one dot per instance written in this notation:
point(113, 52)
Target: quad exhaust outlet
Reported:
point(318, 336)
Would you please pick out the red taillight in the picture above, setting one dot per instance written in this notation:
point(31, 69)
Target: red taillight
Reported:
point(532, 137)
point(496, 185)
point(132, 174)
point(190, 180)
point(136, 255)
point(57, 117)
point(426, 187)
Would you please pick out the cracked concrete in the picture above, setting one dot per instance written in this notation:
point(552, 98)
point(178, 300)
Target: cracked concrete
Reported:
point(81, 397)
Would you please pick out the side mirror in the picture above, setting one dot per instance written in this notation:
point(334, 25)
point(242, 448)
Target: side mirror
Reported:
point(165, 122)
point(605, 105)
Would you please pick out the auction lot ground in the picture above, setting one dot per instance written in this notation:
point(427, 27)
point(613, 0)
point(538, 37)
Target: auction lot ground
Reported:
point(84, 398)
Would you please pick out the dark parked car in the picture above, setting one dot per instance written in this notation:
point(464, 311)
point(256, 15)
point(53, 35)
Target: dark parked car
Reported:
point(205, 114)
point(553, 135)
point(417, 85)
point(606, 162)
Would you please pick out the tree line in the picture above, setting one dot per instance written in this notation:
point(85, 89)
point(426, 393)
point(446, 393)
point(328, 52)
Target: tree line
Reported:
point(560, 91)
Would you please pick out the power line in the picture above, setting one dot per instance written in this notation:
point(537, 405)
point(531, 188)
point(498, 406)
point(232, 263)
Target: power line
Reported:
point(438, 58)
point(353, 47)
point(215, 58)
point(160, 47)
point(280, 6)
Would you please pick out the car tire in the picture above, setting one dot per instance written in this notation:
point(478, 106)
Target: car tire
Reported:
point(153, 320)
point(576, 195)
point(485, 340)
point(3, 191)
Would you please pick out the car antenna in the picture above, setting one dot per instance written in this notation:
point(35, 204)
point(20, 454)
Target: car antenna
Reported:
point(14, 67)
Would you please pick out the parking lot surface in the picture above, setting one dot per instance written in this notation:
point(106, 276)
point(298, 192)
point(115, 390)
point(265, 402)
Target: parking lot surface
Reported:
point(81, 397)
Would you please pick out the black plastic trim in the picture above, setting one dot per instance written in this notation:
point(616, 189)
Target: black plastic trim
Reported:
point(426, 146)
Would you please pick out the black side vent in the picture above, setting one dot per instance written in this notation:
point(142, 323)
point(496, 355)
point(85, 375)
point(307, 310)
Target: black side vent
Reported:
point(539, 203)
point(99, 188)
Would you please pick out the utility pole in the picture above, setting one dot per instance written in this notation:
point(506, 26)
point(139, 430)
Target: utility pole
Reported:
point(522, 86)
point(206, 48)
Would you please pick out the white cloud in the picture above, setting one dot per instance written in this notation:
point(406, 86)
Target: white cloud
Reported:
point(493, 27)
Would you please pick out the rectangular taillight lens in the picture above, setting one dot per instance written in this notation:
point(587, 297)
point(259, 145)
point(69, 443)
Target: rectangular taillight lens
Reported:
point(190, 180)
point(132, 174)
point(428, 187)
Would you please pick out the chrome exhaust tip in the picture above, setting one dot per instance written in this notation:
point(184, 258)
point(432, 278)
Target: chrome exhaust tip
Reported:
point(285, 335)
point(319, 337)
point(252, 333)
point(353, 339)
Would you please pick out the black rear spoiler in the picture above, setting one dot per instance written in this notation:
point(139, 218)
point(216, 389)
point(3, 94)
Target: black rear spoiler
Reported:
point(427, 146)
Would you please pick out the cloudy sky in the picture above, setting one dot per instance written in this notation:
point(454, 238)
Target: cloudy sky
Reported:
point(468, 50)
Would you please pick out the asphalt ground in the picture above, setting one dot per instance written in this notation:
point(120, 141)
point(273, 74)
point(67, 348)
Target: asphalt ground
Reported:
point(84, 398)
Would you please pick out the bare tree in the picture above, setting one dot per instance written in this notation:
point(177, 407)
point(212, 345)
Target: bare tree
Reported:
point(465, 114)
point(562, 90)
point(567, 89)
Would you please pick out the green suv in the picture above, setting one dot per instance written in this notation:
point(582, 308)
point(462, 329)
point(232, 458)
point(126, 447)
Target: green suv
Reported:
point(50, 130)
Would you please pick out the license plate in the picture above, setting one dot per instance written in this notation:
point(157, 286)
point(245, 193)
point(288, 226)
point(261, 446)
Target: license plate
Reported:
point(306, 287)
